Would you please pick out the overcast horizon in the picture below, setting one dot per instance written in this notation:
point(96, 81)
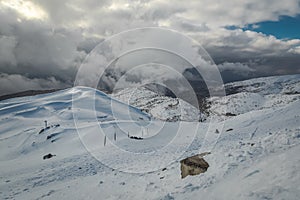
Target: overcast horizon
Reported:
point(43, 43)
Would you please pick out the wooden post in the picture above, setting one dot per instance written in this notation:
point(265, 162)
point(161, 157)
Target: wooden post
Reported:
point(104, 140)
point(45, 123)
point(115, 136)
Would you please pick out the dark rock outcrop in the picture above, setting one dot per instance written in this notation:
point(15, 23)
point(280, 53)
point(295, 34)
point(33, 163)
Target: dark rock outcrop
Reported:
point(194, 165)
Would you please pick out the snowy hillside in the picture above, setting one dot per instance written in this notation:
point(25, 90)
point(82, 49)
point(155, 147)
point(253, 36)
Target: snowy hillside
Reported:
point(160, 107)
point(254, 149)
point(256, 94)
point(289, 84)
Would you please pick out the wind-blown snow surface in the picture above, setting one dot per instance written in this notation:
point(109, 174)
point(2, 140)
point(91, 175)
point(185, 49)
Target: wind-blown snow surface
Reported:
point(256, 156)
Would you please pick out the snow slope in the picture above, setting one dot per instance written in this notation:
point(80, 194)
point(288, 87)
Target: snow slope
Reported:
point(288, 84)
point(256, 94)
point(255, 157)
point(160, 107)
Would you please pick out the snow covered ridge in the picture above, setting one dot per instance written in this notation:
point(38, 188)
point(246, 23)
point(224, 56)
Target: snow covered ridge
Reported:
point(242, 97)
point(288, 84)
point(159, 106)
point(256, 94)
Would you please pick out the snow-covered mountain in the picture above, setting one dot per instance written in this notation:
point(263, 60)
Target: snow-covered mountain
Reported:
point(254, 146)
point(256, 94)
point(159, 106)
point(288, 84)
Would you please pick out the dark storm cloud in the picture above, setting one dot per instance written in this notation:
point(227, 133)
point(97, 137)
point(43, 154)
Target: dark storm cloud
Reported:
point(264, 55)
point(19, 83)
point(37, 51)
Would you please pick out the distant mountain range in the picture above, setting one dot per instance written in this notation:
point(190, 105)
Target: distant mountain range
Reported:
point(27, 93)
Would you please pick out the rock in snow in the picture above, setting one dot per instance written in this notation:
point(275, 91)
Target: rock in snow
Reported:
point(193, 165)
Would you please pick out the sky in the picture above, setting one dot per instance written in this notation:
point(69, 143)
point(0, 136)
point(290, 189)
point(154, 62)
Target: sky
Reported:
point(43, 43)
point(285, 28)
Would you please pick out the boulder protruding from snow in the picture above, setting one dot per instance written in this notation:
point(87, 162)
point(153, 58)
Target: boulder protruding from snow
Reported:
point(194, 165)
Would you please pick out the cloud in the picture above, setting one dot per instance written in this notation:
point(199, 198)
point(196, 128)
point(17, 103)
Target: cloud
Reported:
point(7, 47)
point(35, 50)
point(8, 83)
point(106, 16)
point(295, 50)
point(53, 39)
point(238, 67)
point(265, 55)
point(235, 71)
